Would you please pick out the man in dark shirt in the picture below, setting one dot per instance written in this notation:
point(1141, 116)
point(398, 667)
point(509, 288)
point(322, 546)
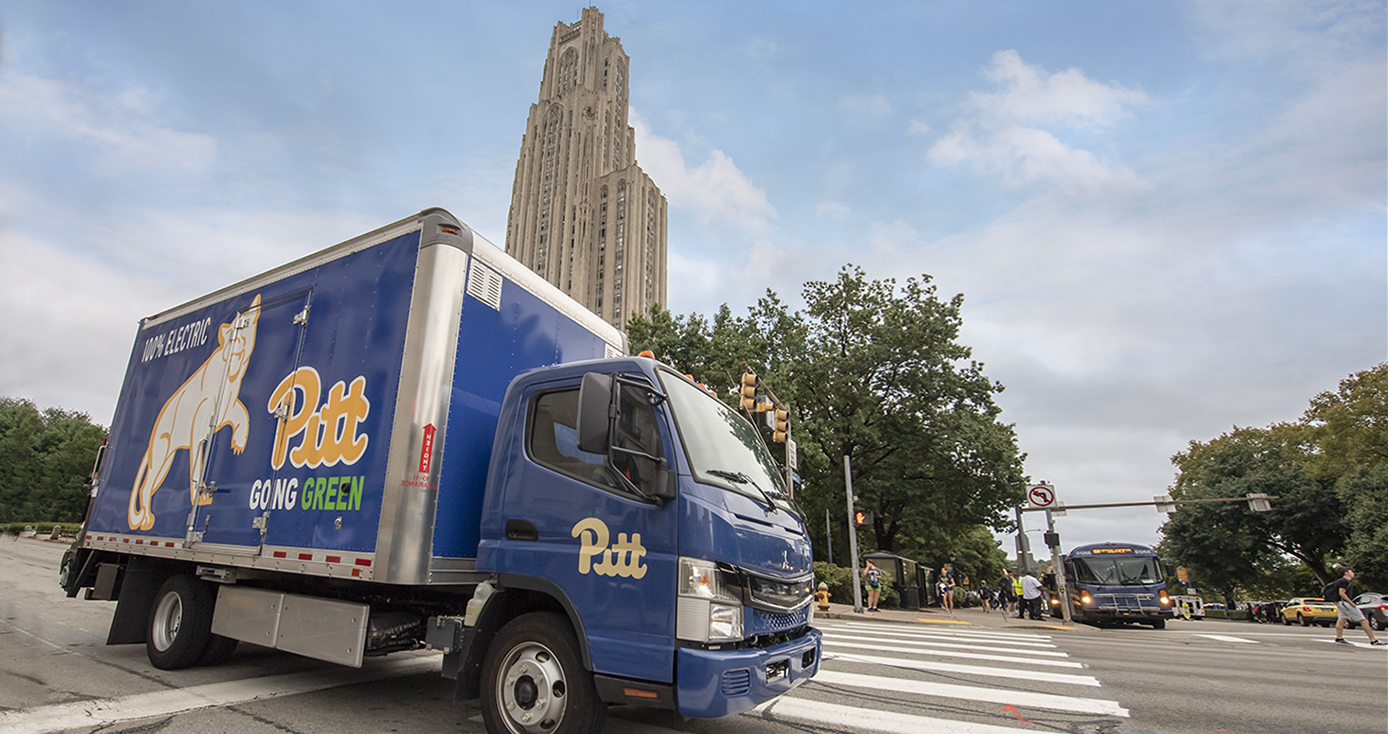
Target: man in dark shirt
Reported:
point(1343, 598)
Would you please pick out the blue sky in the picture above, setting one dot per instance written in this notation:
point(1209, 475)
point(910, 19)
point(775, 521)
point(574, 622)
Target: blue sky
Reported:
point(1167, 219)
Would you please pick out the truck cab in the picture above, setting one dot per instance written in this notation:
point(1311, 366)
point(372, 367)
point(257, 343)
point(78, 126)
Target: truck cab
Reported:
point(654, 515)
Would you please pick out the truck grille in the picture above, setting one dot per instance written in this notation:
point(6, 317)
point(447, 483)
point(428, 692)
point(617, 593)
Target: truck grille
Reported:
point(764, 622)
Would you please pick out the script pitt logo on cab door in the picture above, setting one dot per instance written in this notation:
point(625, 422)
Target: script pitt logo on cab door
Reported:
point(622, 559)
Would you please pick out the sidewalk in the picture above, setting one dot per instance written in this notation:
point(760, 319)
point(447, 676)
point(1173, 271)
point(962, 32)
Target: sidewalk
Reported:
point(973, 617)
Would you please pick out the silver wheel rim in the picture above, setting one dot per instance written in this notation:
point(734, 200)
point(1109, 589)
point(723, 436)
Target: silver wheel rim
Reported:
point(532, 689)
point(168, 616)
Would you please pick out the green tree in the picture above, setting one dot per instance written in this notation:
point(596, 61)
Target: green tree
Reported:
point(873, 371)
point(45, 458)
point(1224, 542)
point(1349, 428)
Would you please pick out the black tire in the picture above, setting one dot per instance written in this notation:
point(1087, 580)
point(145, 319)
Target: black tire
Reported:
point(1286, 622)
point(534, 682)
point(180, 622)
point(1304, 621)
point(1377, 624)
point(1159, 624)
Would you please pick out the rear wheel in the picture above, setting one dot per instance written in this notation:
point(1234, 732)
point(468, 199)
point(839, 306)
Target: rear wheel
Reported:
point(534, 682)
point(180, 623)
point(1302, 620)
point(1377, 624)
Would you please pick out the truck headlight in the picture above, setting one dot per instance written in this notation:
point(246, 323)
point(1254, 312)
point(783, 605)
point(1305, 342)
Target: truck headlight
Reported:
point(707, 610)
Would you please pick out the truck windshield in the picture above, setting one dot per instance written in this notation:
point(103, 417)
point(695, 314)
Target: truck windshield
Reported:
point(1131, 571)
point(723, 447)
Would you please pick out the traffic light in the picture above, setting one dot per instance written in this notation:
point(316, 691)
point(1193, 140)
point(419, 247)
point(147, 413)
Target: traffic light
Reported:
point(862, 518)
point(782, 427)
point(749, 391)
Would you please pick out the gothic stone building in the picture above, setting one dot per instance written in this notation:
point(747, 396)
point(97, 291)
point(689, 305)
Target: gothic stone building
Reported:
point(584, 216)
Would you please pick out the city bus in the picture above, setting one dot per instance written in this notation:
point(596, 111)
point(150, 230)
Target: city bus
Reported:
point(1114, 583)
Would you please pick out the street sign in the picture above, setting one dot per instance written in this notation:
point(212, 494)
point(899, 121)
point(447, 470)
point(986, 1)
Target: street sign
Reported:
point(1165, 504)
point(1041, 495)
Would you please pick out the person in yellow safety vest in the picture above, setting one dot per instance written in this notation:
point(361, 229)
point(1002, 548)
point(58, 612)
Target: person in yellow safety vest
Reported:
point(1016, 594)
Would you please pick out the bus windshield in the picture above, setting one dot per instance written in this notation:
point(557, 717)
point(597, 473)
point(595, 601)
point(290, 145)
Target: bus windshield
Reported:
point(1129, 571)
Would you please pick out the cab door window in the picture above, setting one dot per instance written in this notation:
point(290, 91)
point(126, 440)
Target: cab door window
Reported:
point(553, 440)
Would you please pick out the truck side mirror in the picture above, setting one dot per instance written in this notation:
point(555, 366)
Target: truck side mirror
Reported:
point(594, 415)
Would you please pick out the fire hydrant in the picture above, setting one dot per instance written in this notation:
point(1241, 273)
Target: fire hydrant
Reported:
point(822, 596)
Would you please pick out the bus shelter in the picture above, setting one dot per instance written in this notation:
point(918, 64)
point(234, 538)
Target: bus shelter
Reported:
point(905, 577)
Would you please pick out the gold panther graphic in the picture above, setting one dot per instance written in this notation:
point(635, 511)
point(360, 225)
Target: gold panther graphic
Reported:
point(206, 403)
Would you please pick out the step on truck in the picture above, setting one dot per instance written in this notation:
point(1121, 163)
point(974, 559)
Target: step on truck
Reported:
point(408, 441)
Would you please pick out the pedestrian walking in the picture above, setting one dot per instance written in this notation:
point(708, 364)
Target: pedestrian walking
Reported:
point(946, 590)
point(985, 595)
point(1341, 592)
point(1005, 593)
point(872, 576)
point(1031, 596)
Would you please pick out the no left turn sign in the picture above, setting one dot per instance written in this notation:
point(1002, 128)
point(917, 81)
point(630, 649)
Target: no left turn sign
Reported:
point(1041, 495)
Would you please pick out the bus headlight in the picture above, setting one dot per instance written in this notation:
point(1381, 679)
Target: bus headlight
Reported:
point(708, 608)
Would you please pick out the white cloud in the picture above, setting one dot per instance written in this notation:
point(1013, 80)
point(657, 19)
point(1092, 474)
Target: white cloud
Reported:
point(714, 190)
point(919, 128)
point(1007, 132)
point(831, 209)
point(1030, 96)
point(119, 126)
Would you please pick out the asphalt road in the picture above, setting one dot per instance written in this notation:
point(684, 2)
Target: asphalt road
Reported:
point(894, 672)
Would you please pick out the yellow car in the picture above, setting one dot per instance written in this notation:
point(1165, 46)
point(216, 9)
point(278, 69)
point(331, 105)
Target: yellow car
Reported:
point(1309, 611)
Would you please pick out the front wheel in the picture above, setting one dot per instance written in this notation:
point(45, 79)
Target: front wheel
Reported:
point(534, 682)
point(1159, 624)
point(180, 622)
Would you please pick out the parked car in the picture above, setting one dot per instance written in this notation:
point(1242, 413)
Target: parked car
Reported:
point(1375, 609)
point(1308, 611)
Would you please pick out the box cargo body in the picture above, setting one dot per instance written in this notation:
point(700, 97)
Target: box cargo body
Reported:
point(305, 419)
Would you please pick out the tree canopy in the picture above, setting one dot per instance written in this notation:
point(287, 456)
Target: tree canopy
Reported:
point(45, 458)
point(874, 371)
point(1329, 472)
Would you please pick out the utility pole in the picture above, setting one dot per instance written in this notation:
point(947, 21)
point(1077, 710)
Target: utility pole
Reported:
point(829, 535)
point(1057, 568)
point(852, 537)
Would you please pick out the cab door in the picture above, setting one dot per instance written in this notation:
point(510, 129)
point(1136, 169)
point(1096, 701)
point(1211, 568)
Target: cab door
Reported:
point(572, 522)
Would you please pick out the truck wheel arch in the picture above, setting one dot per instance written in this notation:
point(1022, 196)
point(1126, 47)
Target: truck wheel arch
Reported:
point(516, 595)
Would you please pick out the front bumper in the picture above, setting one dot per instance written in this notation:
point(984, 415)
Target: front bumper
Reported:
point(713, 683)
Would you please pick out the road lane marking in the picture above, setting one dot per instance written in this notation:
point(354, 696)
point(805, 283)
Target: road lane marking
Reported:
point(105, 712)
point(1226, 638)
point(952, 654)
point(972, 693)
point(847, 718)
point(933, 667)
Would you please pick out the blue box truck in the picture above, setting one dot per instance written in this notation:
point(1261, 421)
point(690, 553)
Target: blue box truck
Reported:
point(409, 440)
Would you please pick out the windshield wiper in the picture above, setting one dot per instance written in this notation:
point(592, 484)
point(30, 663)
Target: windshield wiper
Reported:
point(738, 477)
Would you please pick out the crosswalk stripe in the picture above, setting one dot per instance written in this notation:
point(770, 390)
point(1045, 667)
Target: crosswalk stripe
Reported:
point(913, 631)
point(955, 644)
point(842, 718)
point(1033, 675)
point(972, 693)
point(951, 654)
